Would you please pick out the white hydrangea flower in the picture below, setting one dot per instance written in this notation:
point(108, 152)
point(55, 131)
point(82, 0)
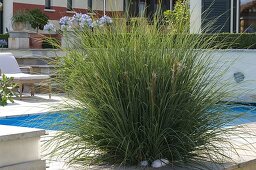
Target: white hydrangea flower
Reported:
point(86, 20)
point(77, 17)
point(83, 20)
point(65, 21)
point(50, 27)
point(104, 20)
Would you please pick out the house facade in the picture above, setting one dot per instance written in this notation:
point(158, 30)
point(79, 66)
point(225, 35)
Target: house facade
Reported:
point(55, 9)
point(226, 15)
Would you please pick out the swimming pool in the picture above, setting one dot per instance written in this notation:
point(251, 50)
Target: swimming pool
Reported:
point(49, 121)
point(54, 121)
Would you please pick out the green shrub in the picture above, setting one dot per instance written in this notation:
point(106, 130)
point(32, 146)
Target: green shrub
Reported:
point(178, 19)
point(235, 40)
point(142, 95)
point(52, 43)
point(6, 90)
point(4, 36)
point(37, 19)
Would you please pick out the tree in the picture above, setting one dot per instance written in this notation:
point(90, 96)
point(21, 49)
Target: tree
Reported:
point(37, 19)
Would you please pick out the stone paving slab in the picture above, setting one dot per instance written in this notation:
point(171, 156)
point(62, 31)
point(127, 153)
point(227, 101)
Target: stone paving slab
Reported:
point(32, 105)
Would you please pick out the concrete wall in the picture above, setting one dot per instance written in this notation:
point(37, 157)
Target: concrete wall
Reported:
point(20, 147)
point(19, 151)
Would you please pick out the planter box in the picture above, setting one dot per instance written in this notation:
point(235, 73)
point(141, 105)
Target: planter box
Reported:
point(35, 40)
point(18, 40)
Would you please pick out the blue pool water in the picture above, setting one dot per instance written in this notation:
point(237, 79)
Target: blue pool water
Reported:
point(43, 121)
point(53, 121)
point(249, 113)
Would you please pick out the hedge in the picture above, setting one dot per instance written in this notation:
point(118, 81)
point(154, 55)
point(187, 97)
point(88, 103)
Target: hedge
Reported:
point(4, 36)
point(235, 40)
point(232, 40)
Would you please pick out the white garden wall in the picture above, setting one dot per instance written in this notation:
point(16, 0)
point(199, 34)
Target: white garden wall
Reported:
point(239, 61)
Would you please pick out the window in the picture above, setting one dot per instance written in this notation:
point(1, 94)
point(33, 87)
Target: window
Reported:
point(47, 4)
point(146, 7)
point(216, 16)
point(142, 8)
point(90, 4)
point(69, 5)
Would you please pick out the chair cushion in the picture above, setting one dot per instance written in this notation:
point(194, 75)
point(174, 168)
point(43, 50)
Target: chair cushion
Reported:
point(23, 76)
point(8, 64)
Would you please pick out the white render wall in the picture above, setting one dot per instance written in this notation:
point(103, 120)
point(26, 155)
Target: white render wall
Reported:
point(196, 13)
point(60, 3)
point(76, 3)
point(83, 4)
point(111, 5)
point(7, 15)
point(20, 145)
point(19, 151)
point(239, 60)
point(37, 2)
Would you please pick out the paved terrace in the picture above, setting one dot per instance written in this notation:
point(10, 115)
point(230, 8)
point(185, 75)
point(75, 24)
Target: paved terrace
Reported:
point(32, 105)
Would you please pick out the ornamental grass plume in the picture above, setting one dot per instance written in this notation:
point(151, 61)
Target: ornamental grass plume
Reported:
point(143, 95)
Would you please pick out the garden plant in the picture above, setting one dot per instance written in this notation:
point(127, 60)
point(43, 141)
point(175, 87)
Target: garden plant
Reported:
point(178, 19)
point(6, 90)
point(142, 96)
point(37, 19)
point(20, 16)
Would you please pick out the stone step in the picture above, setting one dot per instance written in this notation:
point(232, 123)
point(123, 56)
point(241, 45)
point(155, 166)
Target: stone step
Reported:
point(39, 69)
point(31, 60)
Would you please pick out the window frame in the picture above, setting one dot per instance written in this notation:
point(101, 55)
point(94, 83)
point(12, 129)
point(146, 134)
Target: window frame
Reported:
point(48, 4)
point(89, 4)
point(69, 5)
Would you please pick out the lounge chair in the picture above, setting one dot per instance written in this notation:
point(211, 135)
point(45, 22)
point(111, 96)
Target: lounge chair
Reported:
point(9, 66)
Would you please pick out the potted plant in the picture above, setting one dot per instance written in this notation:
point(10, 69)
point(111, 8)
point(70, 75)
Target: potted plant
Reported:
point(19, 20)
point(37, 20)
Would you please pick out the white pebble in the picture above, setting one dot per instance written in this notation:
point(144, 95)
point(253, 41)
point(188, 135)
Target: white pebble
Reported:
point(159, 163)
point(144, 163)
